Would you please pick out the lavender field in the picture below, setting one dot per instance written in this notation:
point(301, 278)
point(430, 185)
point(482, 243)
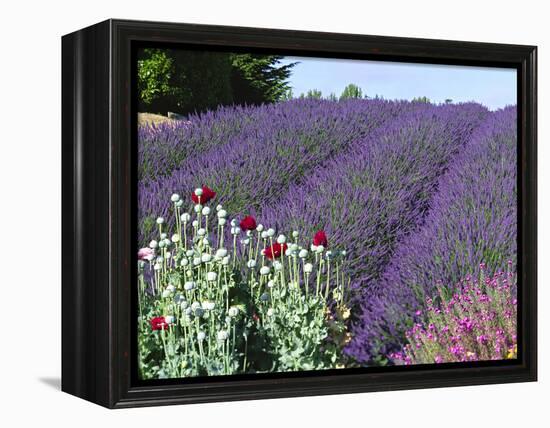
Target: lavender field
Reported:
point(416, 203)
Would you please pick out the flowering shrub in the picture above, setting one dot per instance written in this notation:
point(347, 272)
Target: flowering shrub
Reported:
point(477, 322)
point(209, 308)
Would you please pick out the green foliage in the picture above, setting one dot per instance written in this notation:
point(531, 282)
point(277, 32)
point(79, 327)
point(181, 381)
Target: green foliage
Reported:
point(351, 91)
point(421, 100)
point(184, 81)
point(313, 93)
point(258, 78)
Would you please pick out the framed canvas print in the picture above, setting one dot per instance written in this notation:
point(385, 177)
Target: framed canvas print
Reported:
point(252, 213)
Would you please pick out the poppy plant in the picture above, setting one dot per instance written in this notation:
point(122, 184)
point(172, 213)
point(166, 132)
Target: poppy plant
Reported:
point(207, 195)
point(145, 253)
point(158, 323)
point(320, 238)
point(248, 223)
point(275, 251)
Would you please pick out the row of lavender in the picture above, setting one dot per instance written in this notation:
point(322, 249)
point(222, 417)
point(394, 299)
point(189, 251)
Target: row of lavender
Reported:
point(275, 147)
point(375, 175)
point(471, 225)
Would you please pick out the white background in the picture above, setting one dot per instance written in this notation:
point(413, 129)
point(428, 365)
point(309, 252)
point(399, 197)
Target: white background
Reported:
point(30, 201)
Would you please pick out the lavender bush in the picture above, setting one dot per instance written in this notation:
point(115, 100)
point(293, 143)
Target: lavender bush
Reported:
point(278, 147)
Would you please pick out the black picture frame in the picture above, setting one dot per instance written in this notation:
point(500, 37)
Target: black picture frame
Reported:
point(98, 196)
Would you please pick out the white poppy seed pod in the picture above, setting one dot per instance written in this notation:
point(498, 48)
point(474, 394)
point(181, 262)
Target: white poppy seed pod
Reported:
point(198, 191)
point(169, 319)
point(153, 244)
point(196, 261)
point(163, 236)
point(236, 230)
point(264, 270)
point(295, 234)
point(171, 288)
point(175, 197)
point(270, 233)
point(195, 223)
point(249, 233)
point(320, 248)
point(160, 259)
point(175, 238)
point(188, 312)
point(166, 294)
point(189, 253)
point(223, 214)
point(167, 255)
point(179, 204)
point(308, 268)
point(210, 306)
point(277, 265)
point(205, 258)
point(226, 260)
point(260, 228)
point(157, 266)
point(201, 232)
point(222, 221)
point(195, 306)
point(264, 235)
point(233, 311)
point(184, 262)
point(222, 335)
point(281, 239)
point(218, 207)
point(294, 247)
point(262, 251)
point(178, 298)
point(328, 254)
point(270, 283)
point(251, 264)
point(201, 335)
point(303, 253)
point(222, 252)
point(343, 253)
point(198, 208)
point(206, 211)
point(234, 223)
point(245, 241)
point(184, 304)
point(270, 312)
point(313, 248)
point(211, 276)
point(149, 257)
point(289, 252)
point(185, 217)
point(206, 242)
point(160, 220)
point(189, 285)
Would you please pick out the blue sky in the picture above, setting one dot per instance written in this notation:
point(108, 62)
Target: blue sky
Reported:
point(492, 87)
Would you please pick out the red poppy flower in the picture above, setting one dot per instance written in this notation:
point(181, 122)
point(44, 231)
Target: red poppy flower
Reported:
point(207, 195)
point(320, 238)
point(275, 251)
point(158, 323)
point(248, 223)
